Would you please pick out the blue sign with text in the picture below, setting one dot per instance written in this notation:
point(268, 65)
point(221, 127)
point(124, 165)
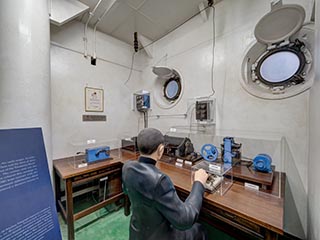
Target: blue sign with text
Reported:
point(27, 203)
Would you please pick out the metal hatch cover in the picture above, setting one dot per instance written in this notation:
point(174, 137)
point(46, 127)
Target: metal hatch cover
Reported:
point(162, 71)
point(280, 24)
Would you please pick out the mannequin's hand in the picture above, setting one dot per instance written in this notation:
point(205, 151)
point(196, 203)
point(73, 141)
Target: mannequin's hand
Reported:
point(201, 176)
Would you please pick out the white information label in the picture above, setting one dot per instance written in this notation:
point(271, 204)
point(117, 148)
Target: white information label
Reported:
point(214, 167)
point(173, 130)
point(179, 164)
point(91, 141)
point(251, 186)
point(81, 165)
point(179, 160)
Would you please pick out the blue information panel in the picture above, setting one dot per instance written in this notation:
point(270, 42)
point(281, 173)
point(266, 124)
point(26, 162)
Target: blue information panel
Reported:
point(27, 204)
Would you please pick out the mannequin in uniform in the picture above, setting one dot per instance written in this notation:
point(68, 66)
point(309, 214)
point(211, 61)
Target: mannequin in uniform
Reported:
point(157, 211)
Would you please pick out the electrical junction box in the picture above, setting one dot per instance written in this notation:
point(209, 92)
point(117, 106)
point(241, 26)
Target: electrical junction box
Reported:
point(141, 101)
point(205, 111)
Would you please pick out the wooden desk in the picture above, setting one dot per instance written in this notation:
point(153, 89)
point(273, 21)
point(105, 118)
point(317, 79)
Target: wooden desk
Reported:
point(241, 213)
point(65, 170)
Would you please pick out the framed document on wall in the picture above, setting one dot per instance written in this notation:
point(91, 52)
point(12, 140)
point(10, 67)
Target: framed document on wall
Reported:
point(94, 99)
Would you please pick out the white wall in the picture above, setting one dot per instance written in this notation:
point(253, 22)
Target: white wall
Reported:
point(71, 73)
point(314, 163)
point(25, 68)
point(189, 50)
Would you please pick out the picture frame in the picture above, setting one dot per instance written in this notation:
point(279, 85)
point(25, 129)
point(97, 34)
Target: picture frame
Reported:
point(94, 99)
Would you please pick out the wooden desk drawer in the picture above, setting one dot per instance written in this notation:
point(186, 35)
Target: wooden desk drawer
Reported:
point(239, 220)
point(245, 226)
point(96, 174)
point(227, 221)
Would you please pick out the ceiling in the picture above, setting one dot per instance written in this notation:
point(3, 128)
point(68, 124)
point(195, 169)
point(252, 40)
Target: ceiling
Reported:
point(151, 18)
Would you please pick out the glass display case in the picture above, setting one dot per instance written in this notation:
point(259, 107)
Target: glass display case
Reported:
point(285, 178)
point(220, 176)
point(93, 151)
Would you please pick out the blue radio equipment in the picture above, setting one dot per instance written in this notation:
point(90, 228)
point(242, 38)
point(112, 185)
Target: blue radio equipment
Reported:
point(227, 155)
point(230, 150)
point(97, 154)
point(209, 152)
point(262, 163)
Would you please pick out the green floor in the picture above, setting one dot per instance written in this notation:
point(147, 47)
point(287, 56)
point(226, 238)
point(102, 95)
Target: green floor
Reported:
point(100, 225)
point(111, 224)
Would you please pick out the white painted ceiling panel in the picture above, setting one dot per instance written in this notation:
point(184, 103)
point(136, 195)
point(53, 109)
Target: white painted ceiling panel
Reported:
point(147, 27)
point(135, 3)
point(118, 15)
point(151, 18)
point(169, 13)
point(126, 30)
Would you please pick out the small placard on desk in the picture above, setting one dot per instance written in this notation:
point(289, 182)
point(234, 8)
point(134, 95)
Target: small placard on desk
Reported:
point(251, 186)
point(94, 118)
point(215, 167)
point(81, 165)
point(179, 164)
point(180, 160)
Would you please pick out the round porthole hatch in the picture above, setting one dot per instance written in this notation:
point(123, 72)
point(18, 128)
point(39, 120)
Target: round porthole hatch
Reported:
point(279, 67)
point(167, 89)
point(279, 64)
point(172, 89)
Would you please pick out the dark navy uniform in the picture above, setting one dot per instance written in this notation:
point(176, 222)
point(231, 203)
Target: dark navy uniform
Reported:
point(157, 211)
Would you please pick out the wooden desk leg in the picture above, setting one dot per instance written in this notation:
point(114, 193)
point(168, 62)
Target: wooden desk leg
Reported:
point(127, 204)
point(69, 199)
point(269, 235)
point(57, 190)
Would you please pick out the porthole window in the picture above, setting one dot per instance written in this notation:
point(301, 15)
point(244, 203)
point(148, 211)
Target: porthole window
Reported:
point(168, 87)
point(282, 66)
point(172, 89)
point(279, 64)
point(279, 67)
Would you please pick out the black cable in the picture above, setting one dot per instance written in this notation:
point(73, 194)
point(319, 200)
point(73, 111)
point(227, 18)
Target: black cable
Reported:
point(135, 42)
point(136, 48)
point(131, 68)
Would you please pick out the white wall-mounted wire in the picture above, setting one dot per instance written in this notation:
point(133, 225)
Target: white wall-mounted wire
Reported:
point(85, 38)
point(99, 58)
point(49, 7)
point(213, 48)
point(96, 25)
point(157, 116)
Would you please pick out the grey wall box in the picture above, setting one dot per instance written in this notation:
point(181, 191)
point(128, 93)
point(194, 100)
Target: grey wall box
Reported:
point(167, 87)
point(279, 63)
